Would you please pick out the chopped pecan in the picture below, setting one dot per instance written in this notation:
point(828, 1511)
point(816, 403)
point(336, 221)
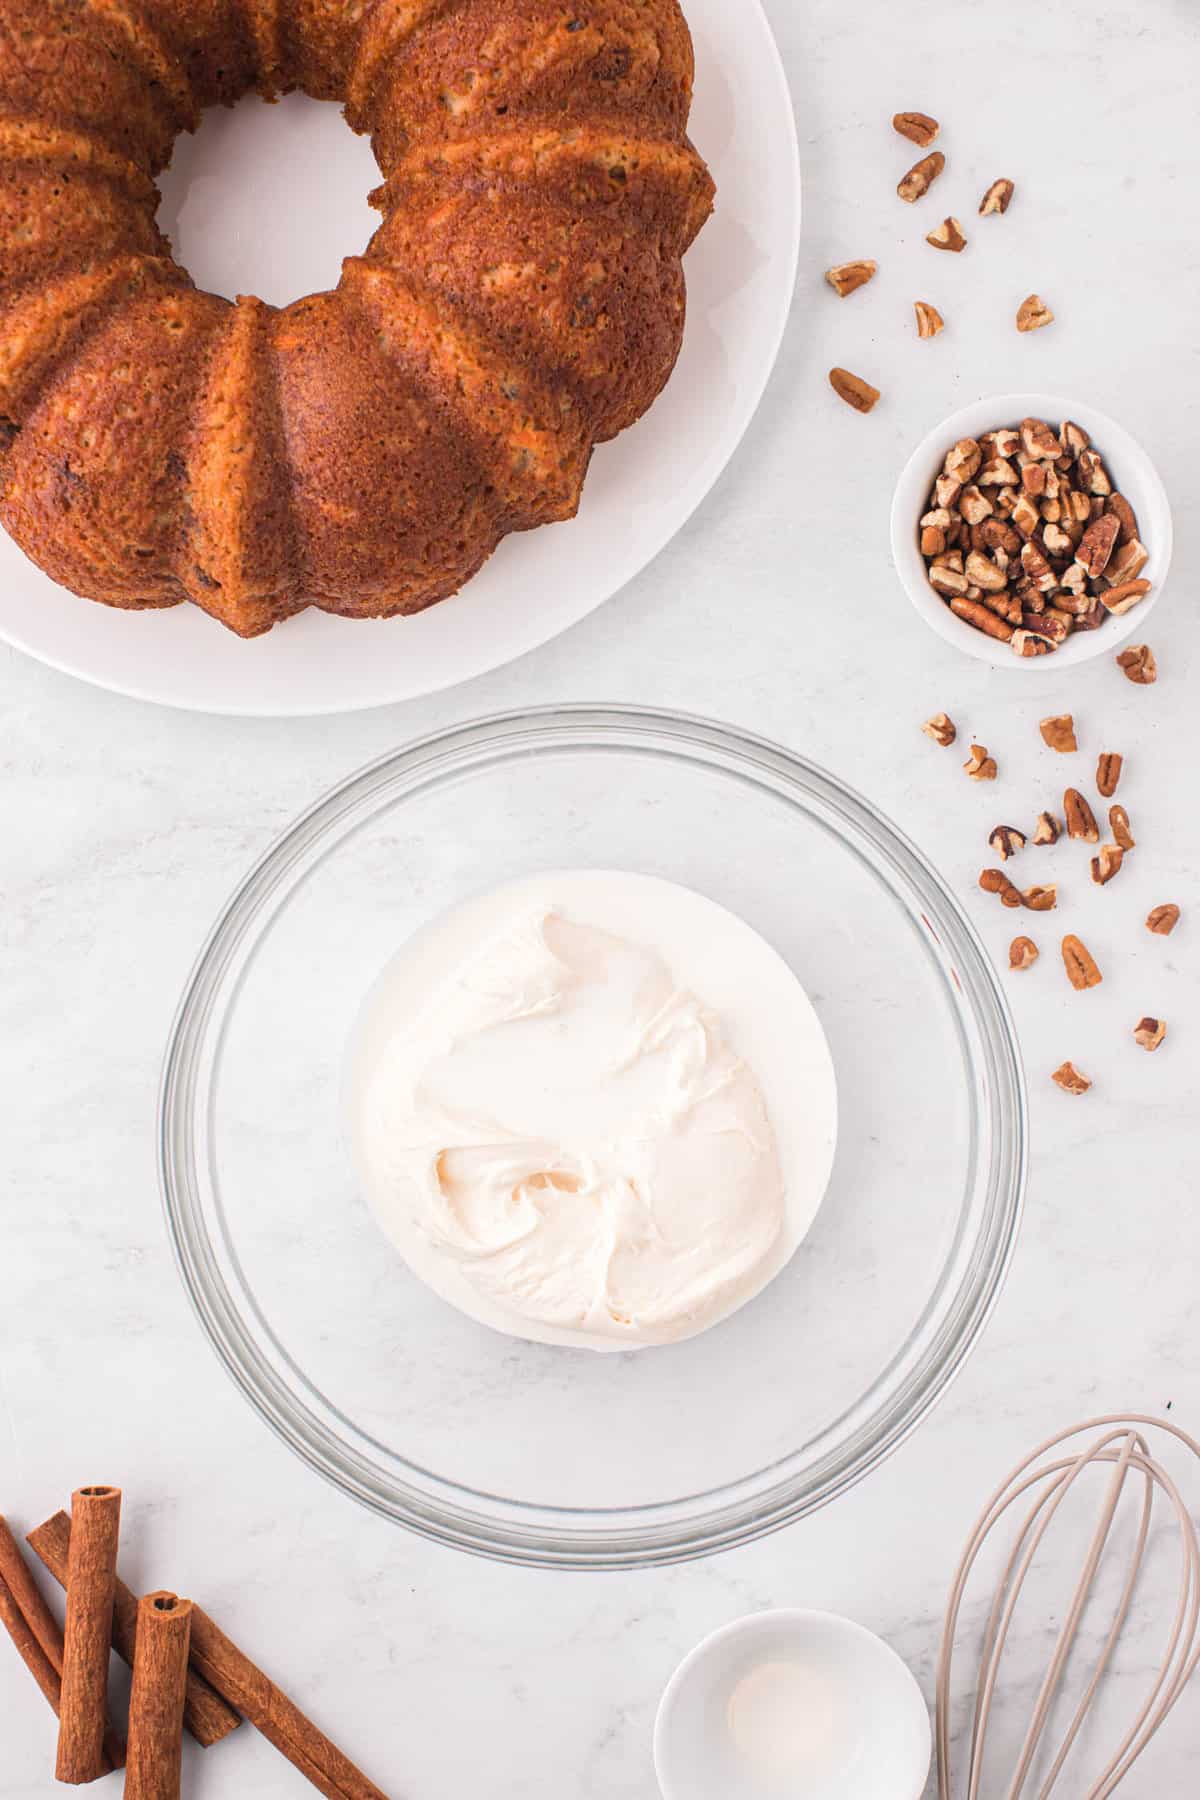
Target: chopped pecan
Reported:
point(1108, 772)
point(1005, 441)
point(1034, 563)
point(1118, 824)
point(1127, 561)
point(1047, 830)
point(983, 572)
point(963, 460)
point(917, 127)
point(980, 766)
point(1073, 438)
point(1057, 542)
point(1041, 899)
point(941, 728)
point(1107, 864)
point(974, 505)
point(929, 319)
point(1149, 1033)
point(1119, 506)
point(1039, 440)
point(1081, 820)
point(995, 881)
point(1022, 953)
point(1050, 624)
point(1163, 919)
point(1025, 516)
point(1006, 840)
point(845, 278)
point(946, 490)
point(1082, 969)
point(948, 581)
point(998, 534)
point(1058, 732)
point(997, 198)
point(998, 472)
point(1125, 596)
point(1139, 664)
point(921, 177)
point(1033, 313)
point(1070, 1080)
point(933, 540)
point(1028, 643)
point(973, 612)
point(947, 236)
point(853, 390)
point(1096, 545)
point(1092, 474)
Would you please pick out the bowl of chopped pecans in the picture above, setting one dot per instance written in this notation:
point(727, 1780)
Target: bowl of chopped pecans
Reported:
point(1031, 531)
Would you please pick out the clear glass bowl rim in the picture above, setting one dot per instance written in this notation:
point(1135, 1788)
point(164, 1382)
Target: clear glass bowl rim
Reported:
point(665, 1532)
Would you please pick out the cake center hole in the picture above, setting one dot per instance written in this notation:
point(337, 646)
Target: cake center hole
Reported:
point(267, 200)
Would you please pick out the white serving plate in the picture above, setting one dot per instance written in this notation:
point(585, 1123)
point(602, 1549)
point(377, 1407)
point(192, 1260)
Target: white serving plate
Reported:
point(641, 489)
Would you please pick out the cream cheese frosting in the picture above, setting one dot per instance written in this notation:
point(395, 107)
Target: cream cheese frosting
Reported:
point(560, 1134)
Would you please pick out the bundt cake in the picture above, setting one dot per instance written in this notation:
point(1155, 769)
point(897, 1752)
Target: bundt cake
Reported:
point(363, 450)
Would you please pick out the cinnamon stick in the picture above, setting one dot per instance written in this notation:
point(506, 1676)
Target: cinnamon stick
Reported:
point(239, 1683)
point(87, 1637)
point(160, 1662)
point(206, 1715)
point(278, 1718)
point(40, 1665)
point(28, 1595)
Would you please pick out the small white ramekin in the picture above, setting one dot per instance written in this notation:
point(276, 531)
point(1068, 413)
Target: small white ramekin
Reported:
point(1132, 472)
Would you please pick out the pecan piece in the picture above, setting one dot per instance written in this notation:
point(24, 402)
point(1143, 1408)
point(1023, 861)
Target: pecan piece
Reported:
point(984, 573)
point(998, 197)
point(1125, 596)
point(1041, 899)
point(1107, 864)
point(1163, 919)
point(1006, 840)
point(947, 580)
point(1108, 772)
point(1080, 964)
point(963, 460)
point(947, 236)
point(998, 472)
point(1081, 820)
point(845, 278)
point(979, 765)
point(1022, 953)
point(974, 505)
point(1039, 441)
point(1125, 516)
point(917, 127)
point(1127, 561)
point(973, 613)
point(1070, 1080)
point(921, 177)
point(941, 729)
point(853, 390)
point(933, 540)
point(1096, 545)
point(1139, 664)
point(1149, 1033)
point(1093, 475)
point(1058, 732)
point(1047, 830)
point(1074, 438)
point(995, 881)
point(1033, 313)
point(1028, 643)
point(929, 319)
point(1118, 824)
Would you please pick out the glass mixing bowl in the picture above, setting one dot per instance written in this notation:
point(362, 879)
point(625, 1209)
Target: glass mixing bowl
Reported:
point(562, 1457)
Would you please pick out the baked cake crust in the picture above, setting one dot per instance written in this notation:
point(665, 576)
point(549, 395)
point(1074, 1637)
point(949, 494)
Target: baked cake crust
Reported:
point(363, 450)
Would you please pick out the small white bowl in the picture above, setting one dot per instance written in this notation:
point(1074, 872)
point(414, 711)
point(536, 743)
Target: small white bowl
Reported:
point(851, 1718)
point(1134, 475)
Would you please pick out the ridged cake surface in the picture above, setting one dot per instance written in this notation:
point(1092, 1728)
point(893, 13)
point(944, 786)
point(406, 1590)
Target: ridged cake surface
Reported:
point(362, 450)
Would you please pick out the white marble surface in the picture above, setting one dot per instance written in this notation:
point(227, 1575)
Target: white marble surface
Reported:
point(124, 827)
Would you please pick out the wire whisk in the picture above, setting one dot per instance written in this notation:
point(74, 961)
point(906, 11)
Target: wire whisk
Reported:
point(1045, 1479)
